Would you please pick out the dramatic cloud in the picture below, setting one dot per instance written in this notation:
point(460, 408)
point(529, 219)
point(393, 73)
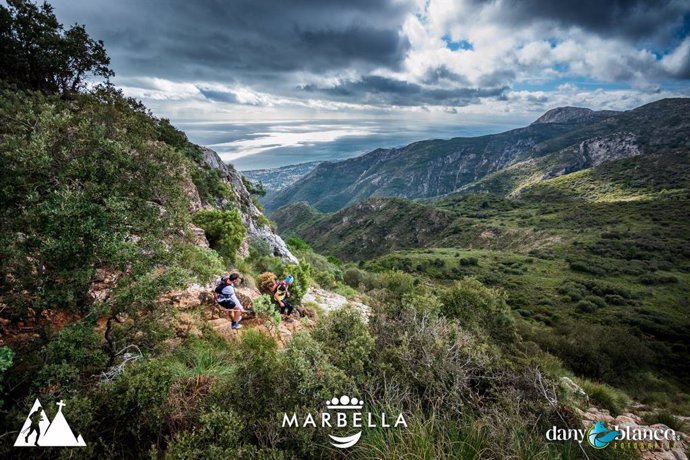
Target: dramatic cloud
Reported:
point(447, 61)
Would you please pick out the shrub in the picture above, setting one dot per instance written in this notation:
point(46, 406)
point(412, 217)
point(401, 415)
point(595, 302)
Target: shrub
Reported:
point(259, 248)
point(266, 282)
point(224, 230)
point(614, 299)
point(325, 279)
point(346, 340)
point(605, 396)
point(302, 275)
point(479, 308)
point(204, 263)
point(265, 309)
point(469, 261)
point(585, 306)
point(657, 279)
point(298, 244)
point(215, 436)
point(353, 277)
point(6, 359)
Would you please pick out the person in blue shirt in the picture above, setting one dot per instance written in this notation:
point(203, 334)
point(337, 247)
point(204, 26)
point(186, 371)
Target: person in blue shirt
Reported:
point(227, 298)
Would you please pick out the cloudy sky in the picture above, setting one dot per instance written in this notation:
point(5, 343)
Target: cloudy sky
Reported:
point(262, 76)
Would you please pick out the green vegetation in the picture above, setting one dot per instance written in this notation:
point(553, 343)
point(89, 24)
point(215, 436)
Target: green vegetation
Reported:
point(36, 53)
point(605, 247)
point(224, 230)
point(488, 302)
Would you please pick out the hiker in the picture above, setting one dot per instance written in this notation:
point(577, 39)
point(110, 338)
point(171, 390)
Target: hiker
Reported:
point(281, 292)
point(35, 418)
point(227, 298)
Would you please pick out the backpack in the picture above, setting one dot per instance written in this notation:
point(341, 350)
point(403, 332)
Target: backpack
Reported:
point(220, 287)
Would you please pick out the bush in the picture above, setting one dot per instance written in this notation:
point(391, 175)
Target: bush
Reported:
point(604, 396)
point(353, 277)
point(298, 244)
point(585, 306)
point(479, 308)
point(325, 279)
point(469, 261)
point(265, 309)
point(346, 340)
point(302, 275)
point(6, 359)
point(224, 230)
point(204, 263)
point(267, 283)
point(657, 279)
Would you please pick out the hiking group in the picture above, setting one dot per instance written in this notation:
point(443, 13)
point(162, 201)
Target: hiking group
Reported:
point(228, 301)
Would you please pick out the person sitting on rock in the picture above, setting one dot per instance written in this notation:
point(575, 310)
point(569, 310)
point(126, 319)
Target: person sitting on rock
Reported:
point(227, 298)
point(281, 292)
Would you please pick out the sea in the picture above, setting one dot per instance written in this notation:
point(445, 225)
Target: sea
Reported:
point(272, 144)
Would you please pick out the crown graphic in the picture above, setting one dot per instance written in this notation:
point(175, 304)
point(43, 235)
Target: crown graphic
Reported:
point(344, 402)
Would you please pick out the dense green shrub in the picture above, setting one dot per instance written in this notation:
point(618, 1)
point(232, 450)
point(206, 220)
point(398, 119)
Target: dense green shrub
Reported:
point(585, 306)
point(479, 308)
point(297, 244)
point(353, 277)
point(346, 340)
point(224, 230)
point(204, 263)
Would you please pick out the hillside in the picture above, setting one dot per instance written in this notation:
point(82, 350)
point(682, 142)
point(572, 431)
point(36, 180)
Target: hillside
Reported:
point(433, 168)
point(365, 230)
point(606, 246)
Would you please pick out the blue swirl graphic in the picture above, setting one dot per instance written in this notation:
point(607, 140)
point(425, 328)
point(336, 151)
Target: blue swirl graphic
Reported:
point(599, 436)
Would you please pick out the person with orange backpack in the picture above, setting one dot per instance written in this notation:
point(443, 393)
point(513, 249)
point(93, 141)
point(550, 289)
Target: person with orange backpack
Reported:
point(281, 292)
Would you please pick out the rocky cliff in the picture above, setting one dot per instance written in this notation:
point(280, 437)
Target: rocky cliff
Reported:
point(251, 215)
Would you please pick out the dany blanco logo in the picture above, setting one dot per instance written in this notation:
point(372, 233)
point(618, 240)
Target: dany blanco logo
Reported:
point(40, 432)
point(598, 436)
point(344, 412)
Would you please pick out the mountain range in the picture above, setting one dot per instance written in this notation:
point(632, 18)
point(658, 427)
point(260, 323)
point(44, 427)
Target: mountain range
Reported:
point(561, 141)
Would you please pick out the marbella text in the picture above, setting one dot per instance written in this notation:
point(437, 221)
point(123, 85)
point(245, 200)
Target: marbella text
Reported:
point(343, 419)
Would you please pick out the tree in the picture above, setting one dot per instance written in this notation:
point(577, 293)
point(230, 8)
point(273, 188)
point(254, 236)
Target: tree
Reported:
point(37, 53)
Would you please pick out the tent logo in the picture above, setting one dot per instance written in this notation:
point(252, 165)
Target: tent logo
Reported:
point(37, 431)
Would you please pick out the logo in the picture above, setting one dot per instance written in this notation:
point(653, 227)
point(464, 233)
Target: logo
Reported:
point(598, 436)
point(344, 412)
point(37, 431)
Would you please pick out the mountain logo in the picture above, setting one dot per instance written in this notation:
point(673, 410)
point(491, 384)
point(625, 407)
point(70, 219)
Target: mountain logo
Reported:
point(599, 436)
point(38, 431)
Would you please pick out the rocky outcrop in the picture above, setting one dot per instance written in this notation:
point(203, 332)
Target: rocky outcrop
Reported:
point(329, 301)
point(251, 215)
point(610, 148)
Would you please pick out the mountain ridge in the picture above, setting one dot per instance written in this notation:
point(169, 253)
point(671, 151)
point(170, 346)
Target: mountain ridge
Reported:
point(433, 168)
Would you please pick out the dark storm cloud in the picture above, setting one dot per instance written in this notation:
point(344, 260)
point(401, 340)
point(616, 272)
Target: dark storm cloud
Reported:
point(657, 22)
point(441, 74)
point(217, 40)
point(382, 90)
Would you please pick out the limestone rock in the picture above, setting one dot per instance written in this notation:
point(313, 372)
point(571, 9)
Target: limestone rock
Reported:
point(330, 301)
point(256, 229)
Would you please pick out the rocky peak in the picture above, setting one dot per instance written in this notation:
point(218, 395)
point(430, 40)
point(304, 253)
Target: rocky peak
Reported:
point(256, 230)
point(564, 115)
